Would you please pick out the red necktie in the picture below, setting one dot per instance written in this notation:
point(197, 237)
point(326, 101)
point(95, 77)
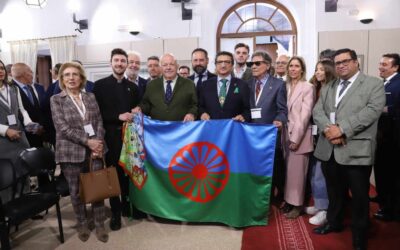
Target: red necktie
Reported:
point(258, 89)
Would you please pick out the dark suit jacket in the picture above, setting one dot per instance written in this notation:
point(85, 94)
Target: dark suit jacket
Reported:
point(184, 100)
point(35, 111)
point(273, 101)
point(71, 137)
point(142, 86)
point(392, 92)
point(114, 99)
point(236, 101)
point(209, 76)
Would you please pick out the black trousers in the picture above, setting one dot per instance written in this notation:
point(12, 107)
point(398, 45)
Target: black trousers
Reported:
point(386, 168)
point(340, 178)
point(279, 176)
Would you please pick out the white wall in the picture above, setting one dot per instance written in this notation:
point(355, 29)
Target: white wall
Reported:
point(162, 19)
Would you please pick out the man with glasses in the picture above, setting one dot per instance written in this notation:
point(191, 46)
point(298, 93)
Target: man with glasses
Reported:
point(269, 106)
point(347, 114)
point(170, 97)
point(132, 72)
point(116, 96)
point(224, 96)
point(280, 67)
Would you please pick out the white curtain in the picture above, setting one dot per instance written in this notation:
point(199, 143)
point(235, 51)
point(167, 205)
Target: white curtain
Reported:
point(62, 49)
point(25, 52)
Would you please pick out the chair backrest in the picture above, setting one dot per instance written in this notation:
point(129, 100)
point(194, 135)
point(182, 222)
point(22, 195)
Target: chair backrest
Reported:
point(38, 159)
point(7, 174)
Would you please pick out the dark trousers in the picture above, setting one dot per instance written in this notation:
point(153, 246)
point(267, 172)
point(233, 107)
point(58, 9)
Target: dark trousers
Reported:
point(386, 168)
point(338, 179)
point(279, 176)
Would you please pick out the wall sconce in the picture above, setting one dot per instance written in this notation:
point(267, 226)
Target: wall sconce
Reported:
point(36, 3)
point(83, 24)
point(366, 20)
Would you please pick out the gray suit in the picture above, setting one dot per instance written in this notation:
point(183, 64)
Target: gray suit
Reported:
point(349, 166)
point(357, 114)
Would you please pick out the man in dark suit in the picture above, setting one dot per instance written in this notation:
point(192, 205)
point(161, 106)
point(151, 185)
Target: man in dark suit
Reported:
point(268, 103)
point(132, 72)
point(116, 97)
point(242, 53)
point(199, 65)
point(347, 114)
point(153, 68)
point(387, 171)
point(32, 96)
point(170, 97)
point(224, 96)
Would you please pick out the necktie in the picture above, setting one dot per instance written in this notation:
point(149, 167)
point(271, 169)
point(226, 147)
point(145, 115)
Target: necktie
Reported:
point(258, 89)
point(344, 87)
point(222, 92)
point(35, 100)
point(168, 92)
point(200, 81)
point(29, 94)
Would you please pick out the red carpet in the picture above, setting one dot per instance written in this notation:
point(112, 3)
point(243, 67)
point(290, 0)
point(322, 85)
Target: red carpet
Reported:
point(284, 234)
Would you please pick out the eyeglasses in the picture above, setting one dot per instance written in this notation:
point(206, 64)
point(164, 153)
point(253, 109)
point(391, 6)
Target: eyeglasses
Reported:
point(221, 62)
point(279, 62)
point(257, 63)
point(68, 75)
point(344, 62)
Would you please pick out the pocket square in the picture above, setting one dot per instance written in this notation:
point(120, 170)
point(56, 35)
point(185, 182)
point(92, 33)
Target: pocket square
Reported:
point(236, 91)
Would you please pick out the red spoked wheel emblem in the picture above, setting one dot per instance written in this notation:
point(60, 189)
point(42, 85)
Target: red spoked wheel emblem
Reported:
point(199, 171)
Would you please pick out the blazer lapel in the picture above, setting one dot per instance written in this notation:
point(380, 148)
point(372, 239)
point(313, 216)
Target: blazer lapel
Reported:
point(349, 93)
point(296, 93)
point(264, 92)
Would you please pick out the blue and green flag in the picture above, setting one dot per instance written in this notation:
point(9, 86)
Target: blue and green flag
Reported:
point(203, 171)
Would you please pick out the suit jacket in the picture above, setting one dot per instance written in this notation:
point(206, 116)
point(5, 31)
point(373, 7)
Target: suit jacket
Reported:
point(142, 87)
point(35, 111)
point(71, 137)
point(300, 105)
point(114, 98)
point(209, 76)
point(184, 100)
point(247, 74)
point(357, 115)
point(272, 101)
point(236, 101)
point(392, 92)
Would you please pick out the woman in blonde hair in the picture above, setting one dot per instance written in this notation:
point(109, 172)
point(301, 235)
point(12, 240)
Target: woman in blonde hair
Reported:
point(298, 141)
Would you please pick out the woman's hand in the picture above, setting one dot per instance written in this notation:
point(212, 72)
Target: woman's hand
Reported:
point(13, 134)
point(96, 146)
point(293, 146)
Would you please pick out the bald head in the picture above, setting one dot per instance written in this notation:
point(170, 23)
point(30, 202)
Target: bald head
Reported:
point(22, 73)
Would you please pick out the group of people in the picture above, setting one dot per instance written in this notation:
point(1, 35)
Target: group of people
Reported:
point(327, 127)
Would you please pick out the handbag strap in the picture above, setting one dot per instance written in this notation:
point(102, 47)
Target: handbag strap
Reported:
point(91, 163)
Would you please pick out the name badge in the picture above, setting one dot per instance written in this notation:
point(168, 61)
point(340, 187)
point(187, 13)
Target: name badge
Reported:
point(314, 130)
point(89, 129)
point(388, 93)
point(332, 117)
point(256, 113)
point(11, 120)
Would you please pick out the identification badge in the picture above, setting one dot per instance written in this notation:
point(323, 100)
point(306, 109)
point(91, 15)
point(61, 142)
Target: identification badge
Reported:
point(11, 120)
point(388, 93)
point(332, 117)
point(314, 130)
point(256, 113)
point(89, 129)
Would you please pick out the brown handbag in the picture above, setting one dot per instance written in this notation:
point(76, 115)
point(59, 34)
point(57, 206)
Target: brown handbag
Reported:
point(98, 185)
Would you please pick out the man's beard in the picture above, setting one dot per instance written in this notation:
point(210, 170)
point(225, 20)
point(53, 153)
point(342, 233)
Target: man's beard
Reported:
point(199, 69)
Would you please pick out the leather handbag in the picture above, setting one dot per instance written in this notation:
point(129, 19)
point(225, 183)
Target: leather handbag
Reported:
point(98, 185)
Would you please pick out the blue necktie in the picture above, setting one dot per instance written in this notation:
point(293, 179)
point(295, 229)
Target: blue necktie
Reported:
point(29, 94)
point(168, 92)
point(200, 81)
point(344, 87)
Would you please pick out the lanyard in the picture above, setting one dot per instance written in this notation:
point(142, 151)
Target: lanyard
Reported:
point(81, 110)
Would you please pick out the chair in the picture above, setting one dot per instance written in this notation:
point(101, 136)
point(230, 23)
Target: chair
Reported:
point(37, 162)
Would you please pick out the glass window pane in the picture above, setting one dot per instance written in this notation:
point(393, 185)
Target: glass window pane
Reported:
point(231, 24)
point(280, 21)
point(256, 26)
point(284, 40)
point(246, 12)
point(265, 10)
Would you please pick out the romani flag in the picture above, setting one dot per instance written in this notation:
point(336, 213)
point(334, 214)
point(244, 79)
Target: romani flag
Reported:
point(202, 171)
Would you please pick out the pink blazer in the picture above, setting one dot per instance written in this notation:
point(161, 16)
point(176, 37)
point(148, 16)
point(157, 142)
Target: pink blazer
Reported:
point(300, 106)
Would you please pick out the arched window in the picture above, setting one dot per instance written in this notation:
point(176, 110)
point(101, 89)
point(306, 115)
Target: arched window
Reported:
point(262, 24)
